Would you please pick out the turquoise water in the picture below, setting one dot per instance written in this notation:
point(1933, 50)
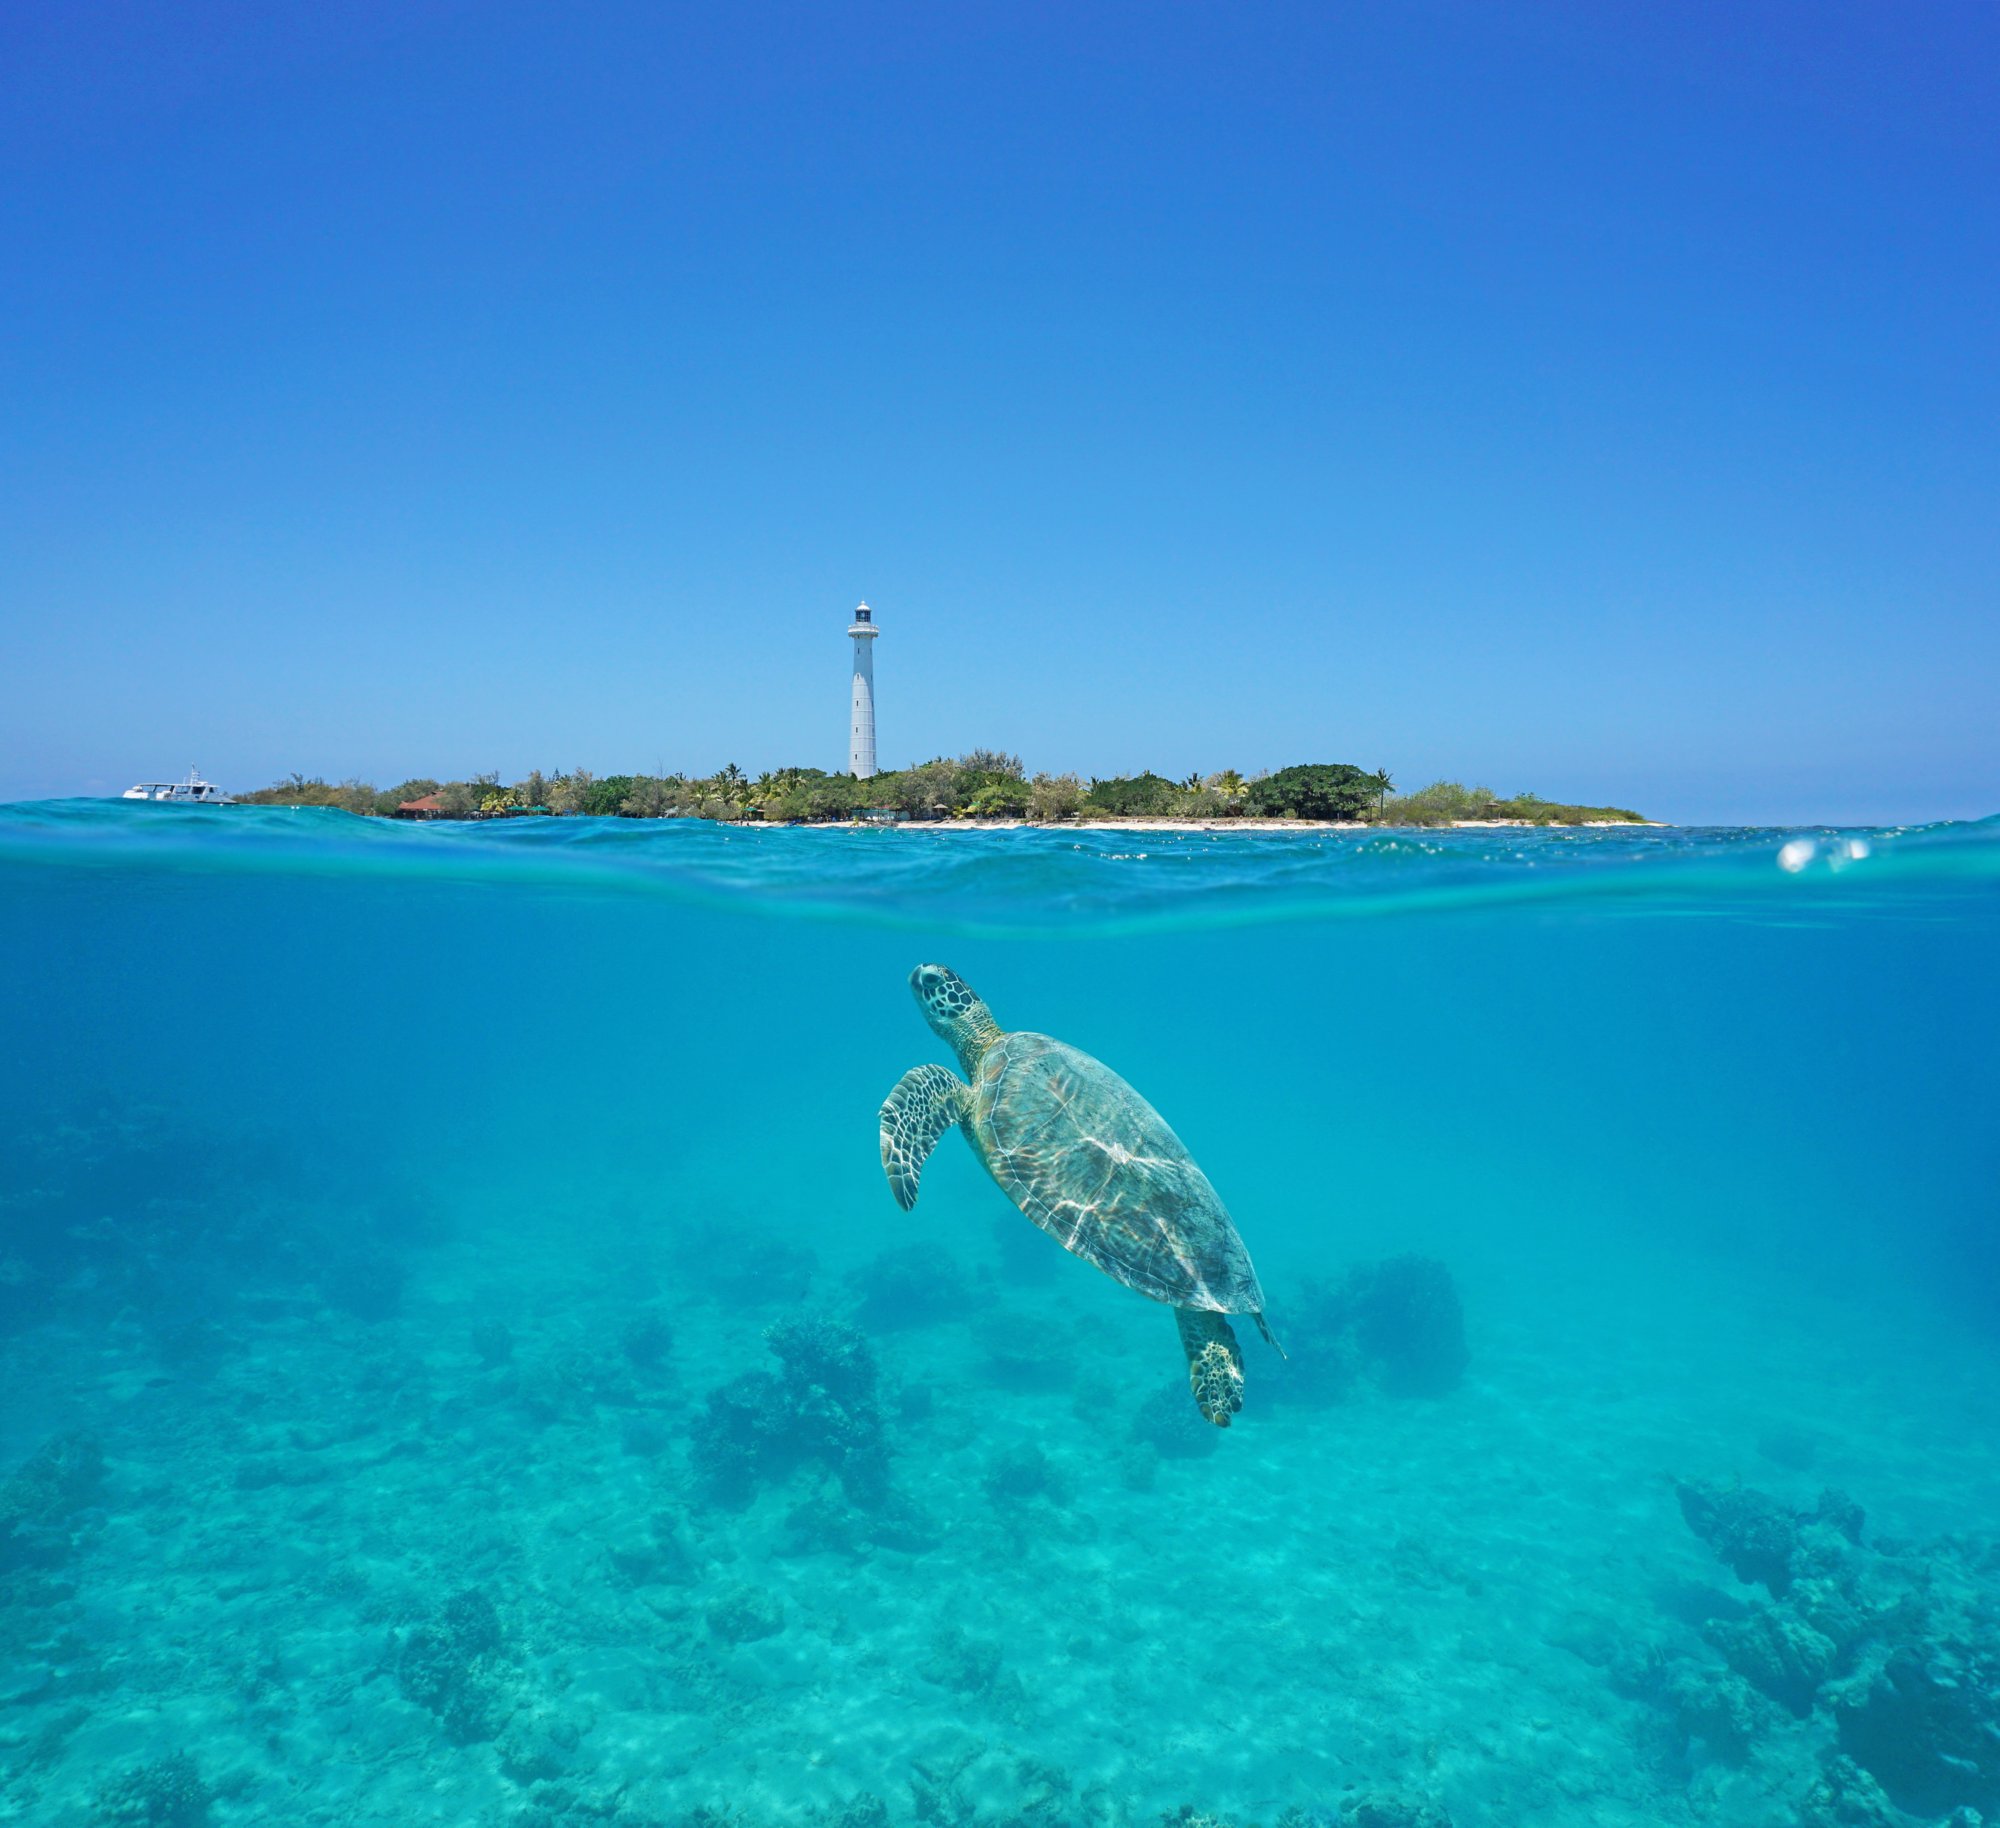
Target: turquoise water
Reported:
point(463, 1363)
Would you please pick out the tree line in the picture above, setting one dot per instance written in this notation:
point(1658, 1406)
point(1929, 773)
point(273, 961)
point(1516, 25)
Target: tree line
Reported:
point(981, 784)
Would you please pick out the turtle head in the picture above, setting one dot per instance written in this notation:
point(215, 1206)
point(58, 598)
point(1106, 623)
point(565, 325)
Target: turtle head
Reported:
point(953, 1009)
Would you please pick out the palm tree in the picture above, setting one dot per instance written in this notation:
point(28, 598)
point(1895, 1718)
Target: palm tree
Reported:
point(1384, 787)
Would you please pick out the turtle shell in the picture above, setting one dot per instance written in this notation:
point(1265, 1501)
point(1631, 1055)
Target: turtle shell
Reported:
point(1098, 1169)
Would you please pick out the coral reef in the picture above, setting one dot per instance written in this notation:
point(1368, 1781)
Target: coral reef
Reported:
point(910, 1287)
point(1764, 1542)
point(1024, 1475)
point(1408, 1325)
point(1926, 1723)
point(539, 1747)
point(647, 1341)
point(449, 1664)
point(1397, 1324)
point(40, 1502)
point(168, 1793)
point(822, 1408)
point(1894, 1646)
point(1778, 1653)
point(563, 1385)
point(1170, 1424)
point(1845, 1796)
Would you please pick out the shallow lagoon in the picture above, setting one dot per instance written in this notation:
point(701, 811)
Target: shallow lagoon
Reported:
point(385, 1210)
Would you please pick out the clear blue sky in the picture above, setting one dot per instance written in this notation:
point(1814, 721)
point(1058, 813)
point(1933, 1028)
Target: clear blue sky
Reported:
point(1602, 401)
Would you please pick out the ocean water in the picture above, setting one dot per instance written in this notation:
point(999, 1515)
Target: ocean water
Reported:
point(462, 1362)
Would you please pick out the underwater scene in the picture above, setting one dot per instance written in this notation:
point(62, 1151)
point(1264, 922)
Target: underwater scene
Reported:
point(464, 1361)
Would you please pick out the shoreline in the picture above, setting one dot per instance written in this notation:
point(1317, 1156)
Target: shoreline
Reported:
point(1213, 825)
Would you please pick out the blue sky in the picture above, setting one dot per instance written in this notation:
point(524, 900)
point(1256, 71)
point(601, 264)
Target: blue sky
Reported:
point(1598, 401)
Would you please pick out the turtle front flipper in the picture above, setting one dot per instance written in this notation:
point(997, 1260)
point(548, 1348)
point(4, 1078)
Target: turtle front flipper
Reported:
point(1215, 1363)
point(927, 1101)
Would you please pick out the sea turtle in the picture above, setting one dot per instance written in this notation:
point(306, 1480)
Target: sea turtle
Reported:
point(1090, 1162)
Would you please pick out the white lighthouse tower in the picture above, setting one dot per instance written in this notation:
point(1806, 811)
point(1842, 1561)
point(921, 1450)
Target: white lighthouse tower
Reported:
point(861, 724)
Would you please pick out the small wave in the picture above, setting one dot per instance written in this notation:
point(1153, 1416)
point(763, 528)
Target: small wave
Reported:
point(1067, 881)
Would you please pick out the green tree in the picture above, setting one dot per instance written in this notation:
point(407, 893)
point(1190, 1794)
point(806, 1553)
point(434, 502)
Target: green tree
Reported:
point(1441, 803)
point(1052, 797)
point(926, 791)
point(605, 798)
point(1313, 790)
point(992, 761)
point(569, 793)
point(1138, 796)
point(649, 798)
point(835, 796)
point(1000, 800)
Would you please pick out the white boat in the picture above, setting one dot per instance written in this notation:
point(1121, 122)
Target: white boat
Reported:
point(193, 791)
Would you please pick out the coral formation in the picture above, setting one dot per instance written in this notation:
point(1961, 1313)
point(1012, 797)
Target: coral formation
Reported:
point(1397, 1324)
point(539, 1747)
point(910, 1287)
point(168, 1793)
point(1926, 1723)
point(647, 1341)
point(1408, 1325)
point(1845, 1796)
point(1894, 1646)
point(822, 1408)
point(1172, 1427)
point(563, 1385)
point(449, 1665)
point(40, 1502)
point(1024, 1475)
point(1762, 1541)
point(1778, 1653)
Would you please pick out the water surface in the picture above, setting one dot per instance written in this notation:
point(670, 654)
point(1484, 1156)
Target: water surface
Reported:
point(393, 1217)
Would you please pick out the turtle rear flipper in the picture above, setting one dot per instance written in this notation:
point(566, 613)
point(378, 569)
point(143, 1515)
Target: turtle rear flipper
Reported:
point(927, 1101)
point(1215, 1363)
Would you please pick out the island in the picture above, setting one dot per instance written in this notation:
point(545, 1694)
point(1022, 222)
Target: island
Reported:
point(981, 787)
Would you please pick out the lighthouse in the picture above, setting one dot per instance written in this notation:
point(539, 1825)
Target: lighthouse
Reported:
point(861, 721)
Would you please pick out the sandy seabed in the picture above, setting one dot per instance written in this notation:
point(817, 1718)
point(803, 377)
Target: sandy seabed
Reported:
point(1075, 1604)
